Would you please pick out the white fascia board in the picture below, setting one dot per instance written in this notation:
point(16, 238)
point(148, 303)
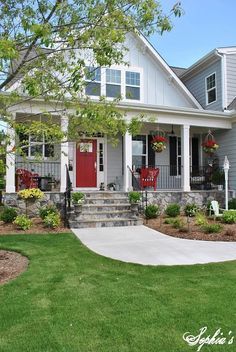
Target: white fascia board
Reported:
point(229, 50)
point(167, 68)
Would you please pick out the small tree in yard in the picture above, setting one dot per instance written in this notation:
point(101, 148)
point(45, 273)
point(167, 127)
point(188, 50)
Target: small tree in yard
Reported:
point(40, 47)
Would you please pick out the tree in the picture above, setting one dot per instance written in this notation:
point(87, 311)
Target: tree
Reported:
point(38, 38)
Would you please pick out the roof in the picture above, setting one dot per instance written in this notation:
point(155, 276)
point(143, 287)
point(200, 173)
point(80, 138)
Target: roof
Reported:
point(178, 70)
point(232, 105)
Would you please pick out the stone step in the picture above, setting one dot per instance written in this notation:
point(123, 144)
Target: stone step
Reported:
point(104, 207)
point(104, 223)
point(114, 200)
point(116, 214)
point(106, 194)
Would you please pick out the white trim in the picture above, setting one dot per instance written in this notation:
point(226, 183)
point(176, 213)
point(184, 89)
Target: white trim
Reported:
point(224, 82)
point(208, 90)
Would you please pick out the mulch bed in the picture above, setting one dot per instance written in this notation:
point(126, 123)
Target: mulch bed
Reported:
point(228, 233)
point(12, 264)
point(37, 228)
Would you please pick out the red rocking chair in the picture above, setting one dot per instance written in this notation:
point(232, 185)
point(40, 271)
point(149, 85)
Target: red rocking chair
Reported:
point(26, 179)
point(148, 177)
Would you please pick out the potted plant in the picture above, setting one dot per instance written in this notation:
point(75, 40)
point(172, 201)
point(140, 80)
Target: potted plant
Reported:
point(218, 179)
point(158, 143)
point(210, 146)
point(78, 200)
point(134, 199)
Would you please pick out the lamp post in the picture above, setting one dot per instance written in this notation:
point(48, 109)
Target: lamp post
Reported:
point(226, 171)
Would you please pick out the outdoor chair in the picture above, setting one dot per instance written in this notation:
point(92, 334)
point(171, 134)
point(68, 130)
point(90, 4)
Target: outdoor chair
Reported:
point(26, 179)
point(148, 177)
point(215, 209)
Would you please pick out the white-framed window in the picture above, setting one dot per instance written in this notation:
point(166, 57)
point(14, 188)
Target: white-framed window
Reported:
point(211, 88)
point(36, 147)
point(93, 81)
point(139, 151)
point(132, 85)
point(113, 83)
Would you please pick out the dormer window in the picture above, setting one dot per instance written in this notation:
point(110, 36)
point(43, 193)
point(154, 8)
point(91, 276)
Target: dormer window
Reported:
point(113, 83)
point(211, 88)
point(132, 80)
point(93, 81)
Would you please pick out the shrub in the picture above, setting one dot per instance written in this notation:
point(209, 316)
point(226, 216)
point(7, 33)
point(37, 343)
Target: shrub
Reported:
point(212, 228)
point(23, 222)
point(46, 210)
point(178, 223)
point(229, 216)
point(52, 220)
point(151, 211)
point(201, 219)
point(31, 194)
point(78, 197)
point(8, 214)
point(172, 210)
point(169, 221)
point(232, 203)
point(190, 209)
point(134, 197)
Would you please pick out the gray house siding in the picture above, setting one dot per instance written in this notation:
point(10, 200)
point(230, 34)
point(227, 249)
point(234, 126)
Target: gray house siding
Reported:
point(196, 85)
point(114, 163)
point(230, 77)
point(227, 142)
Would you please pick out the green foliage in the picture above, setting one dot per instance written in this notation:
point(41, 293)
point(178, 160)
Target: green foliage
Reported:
point(218, 177)
point(172, 210)
point(169, 221)
point(200, 219)
point(46, 210)
point(229, 216)
point(212, 228)
point(78, 197)
point(232, 203)
point(134, 197)
point(8, 214)
point(151, 211)
point(52, 220)
point(178, 223)
point(23, 222)
point(190, 209)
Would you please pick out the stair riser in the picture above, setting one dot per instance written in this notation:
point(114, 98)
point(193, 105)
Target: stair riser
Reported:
point(77, 225)
point(109, 208)
point(101, 201)
point(105, 195)
point(90, 217)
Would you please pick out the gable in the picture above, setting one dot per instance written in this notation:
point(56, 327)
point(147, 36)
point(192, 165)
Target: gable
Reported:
point(161, 86)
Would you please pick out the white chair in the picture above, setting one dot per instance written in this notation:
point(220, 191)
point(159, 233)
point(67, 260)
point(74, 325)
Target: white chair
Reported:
point(215, 209)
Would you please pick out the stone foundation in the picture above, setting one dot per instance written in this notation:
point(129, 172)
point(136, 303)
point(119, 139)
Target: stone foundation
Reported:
point(200, 198)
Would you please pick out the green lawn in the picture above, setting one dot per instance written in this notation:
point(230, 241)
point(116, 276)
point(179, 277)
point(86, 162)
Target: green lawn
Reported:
point(73, 300)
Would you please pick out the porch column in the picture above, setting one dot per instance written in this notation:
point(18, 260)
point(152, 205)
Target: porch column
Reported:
point(10, 161)
point(64, 153)
point(127, 145)
point(185, 179)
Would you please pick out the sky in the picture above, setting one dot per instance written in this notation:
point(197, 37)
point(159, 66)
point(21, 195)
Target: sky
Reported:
point(205, 25)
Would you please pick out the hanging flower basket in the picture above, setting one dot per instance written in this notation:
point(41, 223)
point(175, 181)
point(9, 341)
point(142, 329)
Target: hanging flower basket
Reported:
point(158, 144)
point(209, 145)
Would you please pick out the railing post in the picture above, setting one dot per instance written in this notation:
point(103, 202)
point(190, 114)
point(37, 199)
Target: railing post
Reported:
point(185, 178)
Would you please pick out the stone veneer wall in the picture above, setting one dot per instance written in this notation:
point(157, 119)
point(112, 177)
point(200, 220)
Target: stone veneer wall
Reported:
point(55, 198)
point(162, 198)
point(200, 198)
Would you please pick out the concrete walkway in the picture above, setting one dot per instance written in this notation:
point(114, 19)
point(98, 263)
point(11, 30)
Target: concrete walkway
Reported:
point(142, 245)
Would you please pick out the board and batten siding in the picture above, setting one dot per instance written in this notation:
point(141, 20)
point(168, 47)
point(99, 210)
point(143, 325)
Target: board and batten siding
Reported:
point(230, 77)
point(227, 141)
point(197, 86)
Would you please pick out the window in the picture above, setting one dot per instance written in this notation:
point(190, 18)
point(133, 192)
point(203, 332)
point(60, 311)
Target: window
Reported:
point(211, 88)
point(175, 155)
point(132, 80)
point(36, 146)
point(113, 83)
point(139, 151)
point(93, 81)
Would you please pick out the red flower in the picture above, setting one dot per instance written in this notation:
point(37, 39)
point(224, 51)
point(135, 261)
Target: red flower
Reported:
point(209, 144)
point(159, 139)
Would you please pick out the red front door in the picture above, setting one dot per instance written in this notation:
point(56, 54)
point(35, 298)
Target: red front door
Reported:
point(86, 163)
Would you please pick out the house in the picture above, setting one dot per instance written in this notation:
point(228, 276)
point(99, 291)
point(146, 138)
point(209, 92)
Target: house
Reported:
point(175, 98)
